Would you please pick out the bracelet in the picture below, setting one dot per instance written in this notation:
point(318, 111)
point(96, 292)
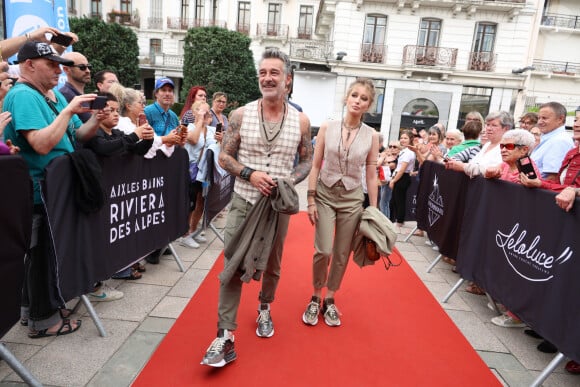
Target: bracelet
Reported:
point(311, 193)
point(27, 36)
point(246, 173)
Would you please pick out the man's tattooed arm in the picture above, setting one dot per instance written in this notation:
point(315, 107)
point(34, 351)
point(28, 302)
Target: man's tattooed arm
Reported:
point(304, 165)
point(231, 143)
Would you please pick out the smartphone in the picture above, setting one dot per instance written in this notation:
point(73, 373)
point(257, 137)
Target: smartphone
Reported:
point(14, 80)
point(525, 165)
point(218, 127)
point(142, 120)
point(99, 103)
point(63, 40)
point(137, 86)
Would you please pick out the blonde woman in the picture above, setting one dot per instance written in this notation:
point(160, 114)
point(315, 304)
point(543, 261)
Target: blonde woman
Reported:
point(335, 196)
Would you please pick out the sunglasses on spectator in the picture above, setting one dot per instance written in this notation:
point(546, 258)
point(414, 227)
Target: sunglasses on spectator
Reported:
point(83, 67)
point(509, 146)
point(393, 146)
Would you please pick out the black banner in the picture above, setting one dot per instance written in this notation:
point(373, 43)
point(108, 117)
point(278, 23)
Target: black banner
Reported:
point(440, 206)
point(146, 207)
point(15, 230)
point(219, 189)
point(524, 251)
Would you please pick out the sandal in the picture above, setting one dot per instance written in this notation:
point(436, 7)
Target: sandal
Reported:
point(135, 275)
point(64, 313)
point(65, 323)
point(474, 289)
point(139, 267)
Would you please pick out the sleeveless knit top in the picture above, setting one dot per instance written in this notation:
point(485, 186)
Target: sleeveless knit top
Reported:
point(275, 158)
point(345, 165)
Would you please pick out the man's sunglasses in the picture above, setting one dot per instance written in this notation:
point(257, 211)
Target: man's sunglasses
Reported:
point(83, 67)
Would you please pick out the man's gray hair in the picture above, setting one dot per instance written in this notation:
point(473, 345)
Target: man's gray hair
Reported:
point(504, 118)
point(556, 107)
point(274, 53)
point(522, 137)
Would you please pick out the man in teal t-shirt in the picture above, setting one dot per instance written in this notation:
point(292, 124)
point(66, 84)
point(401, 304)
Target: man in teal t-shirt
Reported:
point(44, 126)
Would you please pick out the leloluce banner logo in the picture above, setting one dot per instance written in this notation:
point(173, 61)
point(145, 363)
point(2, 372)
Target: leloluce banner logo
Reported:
point(435, 203)
point(525, 255)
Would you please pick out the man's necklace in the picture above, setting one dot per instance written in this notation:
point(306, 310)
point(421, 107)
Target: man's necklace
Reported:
point(272, 127)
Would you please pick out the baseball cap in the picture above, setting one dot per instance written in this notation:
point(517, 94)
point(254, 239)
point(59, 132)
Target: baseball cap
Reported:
point(162, 82)
point(34, 50)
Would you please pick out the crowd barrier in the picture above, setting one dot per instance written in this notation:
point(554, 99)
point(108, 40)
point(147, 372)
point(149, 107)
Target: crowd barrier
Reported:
point(514, 242)
point(15, 230)
point(146, 207)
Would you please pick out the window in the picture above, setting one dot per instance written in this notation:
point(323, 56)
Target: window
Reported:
point(305, 21)
point(484, 37)
point(375, 28)
point(96, 8)
point(482, 57)
point(154, 46)
point(71, 4)
point(243, 17)
point(274, 11)
point(373, 47)
point(126, 6)
point(429, 32)
point(199, 9)
point(474, 98)
point(156, 15)
point(184, 8)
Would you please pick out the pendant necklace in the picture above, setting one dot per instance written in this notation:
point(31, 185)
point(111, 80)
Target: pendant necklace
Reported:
point(271, 128)
point(349, 129)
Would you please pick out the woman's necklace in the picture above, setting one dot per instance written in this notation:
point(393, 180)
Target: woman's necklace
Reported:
point(349, 129)
point(271, 127)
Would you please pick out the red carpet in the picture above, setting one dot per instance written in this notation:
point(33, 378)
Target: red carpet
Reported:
point(393, 333)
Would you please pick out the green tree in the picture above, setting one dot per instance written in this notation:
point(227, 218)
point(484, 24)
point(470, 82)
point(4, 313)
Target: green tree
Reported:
point(220, 60)
point(107, 46)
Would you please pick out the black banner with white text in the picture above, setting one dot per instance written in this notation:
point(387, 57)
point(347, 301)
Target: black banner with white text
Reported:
point(146, 207)
point(514, 242)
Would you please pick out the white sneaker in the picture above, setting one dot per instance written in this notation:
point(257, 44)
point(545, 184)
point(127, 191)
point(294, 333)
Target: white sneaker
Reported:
point(428, 242)
point(105, 293)
point(188, 242)
point(435, 247)
point(200, 239)
point(506, 321)
point(500, 307)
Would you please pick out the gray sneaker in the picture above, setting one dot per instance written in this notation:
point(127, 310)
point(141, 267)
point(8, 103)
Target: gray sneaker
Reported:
point(105, 293)
point(331, 313)
point(265, 325)
point(221, 351)
point(310, 315)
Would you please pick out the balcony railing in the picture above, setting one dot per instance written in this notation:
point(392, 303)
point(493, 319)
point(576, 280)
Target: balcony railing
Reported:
point(304, 33)
point(482, 61)
point(173, 61)
point(310, 49)
point(155, 23)
point(275, 30)
point(565, 68)
point(429, 56)
point(243, 29)
point(179, 23)
point(563, 21)
point(372, 53)
point(122, 18)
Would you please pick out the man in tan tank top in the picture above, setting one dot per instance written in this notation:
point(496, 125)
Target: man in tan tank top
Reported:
point(262, 131)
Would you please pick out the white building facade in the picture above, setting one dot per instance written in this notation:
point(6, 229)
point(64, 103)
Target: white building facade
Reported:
point(431, 60)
